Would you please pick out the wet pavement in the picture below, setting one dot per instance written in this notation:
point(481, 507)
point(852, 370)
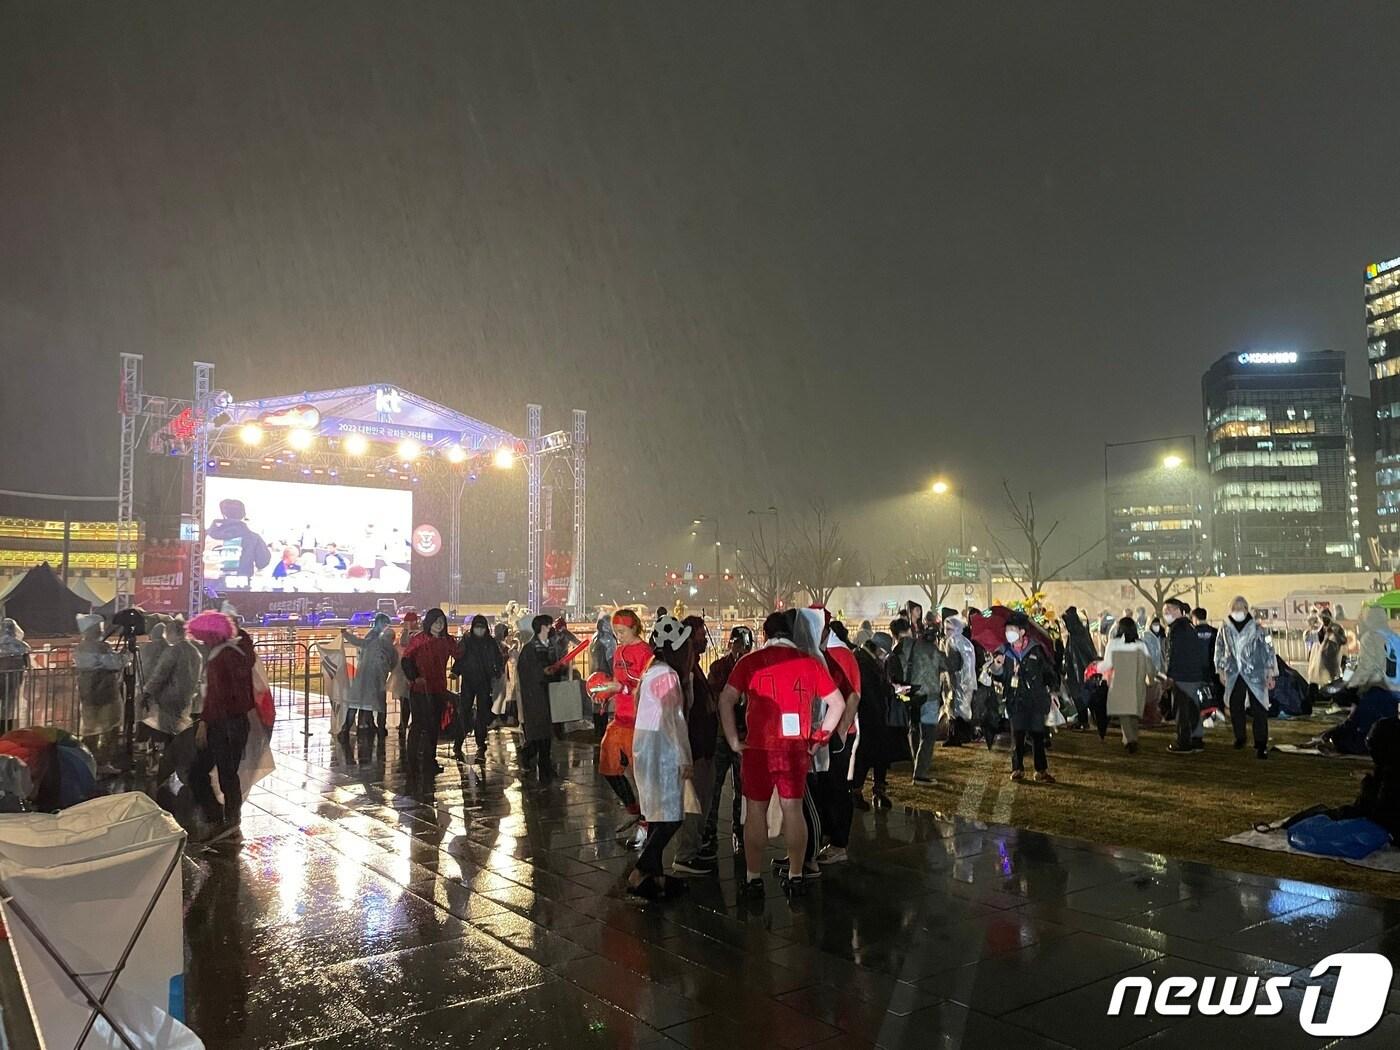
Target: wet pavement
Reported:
point(492, 915)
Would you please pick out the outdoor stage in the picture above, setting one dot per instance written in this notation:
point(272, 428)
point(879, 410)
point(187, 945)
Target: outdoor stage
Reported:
point(337, 502)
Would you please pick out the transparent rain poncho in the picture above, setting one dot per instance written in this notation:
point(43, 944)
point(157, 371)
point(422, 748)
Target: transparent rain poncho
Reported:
point(661, 744)
point(14, 661)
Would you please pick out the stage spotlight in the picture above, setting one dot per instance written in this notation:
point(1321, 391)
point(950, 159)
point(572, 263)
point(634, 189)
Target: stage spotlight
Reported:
point(250, 434)
point(409, 450)
point(300, 439)
point(504, 459)
point(355, 445)
point(456, 454)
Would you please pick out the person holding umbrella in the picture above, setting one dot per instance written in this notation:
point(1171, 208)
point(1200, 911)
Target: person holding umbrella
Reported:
point(1026, 671)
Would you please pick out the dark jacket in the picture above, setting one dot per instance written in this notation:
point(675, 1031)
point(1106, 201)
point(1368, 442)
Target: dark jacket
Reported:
point(717, 679)
point(1206, 633)
point(530, 668)
point(479, 660)
point(1079, 650)
point(1186, 656)
point(1027, 680)
point(879, 744)
point(228, 680)
point(702, 717)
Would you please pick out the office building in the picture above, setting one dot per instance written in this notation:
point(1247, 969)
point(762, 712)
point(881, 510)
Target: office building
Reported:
point(1153, 496)
point(1277, 454)
point(1383, 359)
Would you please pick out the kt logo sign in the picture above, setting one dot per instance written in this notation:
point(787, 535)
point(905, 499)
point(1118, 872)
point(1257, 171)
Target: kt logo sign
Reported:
point(1363, 982)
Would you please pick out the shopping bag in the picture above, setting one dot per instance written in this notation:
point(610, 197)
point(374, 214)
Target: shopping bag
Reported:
point(262, 695)
point(1056, 717)
point(566, 701)
point(692, 800)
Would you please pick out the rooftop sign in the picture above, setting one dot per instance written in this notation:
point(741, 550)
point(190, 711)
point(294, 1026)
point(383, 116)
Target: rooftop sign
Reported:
point(1269, 357)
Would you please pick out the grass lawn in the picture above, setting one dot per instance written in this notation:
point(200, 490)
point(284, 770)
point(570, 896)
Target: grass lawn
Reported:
point(1155, 801)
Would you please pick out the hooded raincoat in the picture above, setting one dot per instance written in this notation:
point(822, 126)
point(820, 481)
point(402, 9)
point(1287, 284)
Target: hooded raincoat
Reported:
point(964, 679)
point(14, 662)
point(99, 678)
point(661, 744)
point(173, 683)
point(1377, 640)
point(1244, 651)
point(377, 660)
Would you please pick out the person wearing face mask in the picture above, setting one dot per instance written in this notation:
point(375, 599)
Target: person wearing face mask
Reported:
point(425, 662)
point(532, 671)
point(1155, 638)
point(479, 664)
point(1245, 662)
point(1188, 669)
point(1027, 676)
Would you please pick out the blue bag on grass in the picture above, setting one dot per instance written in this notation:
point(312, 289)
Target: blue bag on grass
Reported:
point(1351, 839)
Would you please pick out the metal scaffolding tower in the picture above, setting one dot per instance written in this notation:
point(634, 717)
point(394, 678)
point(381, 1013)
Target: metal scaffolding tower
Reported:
point(534, 547)
point(199, 474)
point(578, 592)
point(130, 407)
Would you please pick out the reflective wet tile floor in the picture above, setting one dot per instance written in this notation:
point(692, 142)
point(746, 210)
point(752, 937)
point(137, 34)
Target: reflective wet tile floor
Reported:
point(491, 915)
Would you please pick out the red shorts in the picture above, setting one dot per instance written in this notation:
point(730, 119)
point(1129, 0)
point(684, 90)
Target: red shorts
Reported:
point(615, 751)
point(760, 771)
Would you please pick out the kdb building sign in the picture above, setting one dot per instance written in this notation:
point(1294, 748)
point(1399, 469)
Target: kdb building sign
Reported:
point(1358, 998)
point(1268, 357)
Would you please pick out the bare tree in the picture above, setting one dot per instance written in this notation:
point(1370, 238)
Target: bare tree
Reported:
point(766, 568)
point(1038, 571)
point(819, 554)
point(928, 567)
point(1179, 580)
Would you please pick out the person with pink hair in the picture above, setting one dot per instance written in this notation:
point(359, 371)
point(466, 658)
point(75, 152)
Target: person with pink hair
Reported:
point(222, 734)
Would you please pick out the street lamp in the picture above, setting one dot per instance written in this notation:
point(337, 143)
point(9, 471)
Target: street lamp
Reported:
point(1171, 461)
point(942, 488)
point(719, 597)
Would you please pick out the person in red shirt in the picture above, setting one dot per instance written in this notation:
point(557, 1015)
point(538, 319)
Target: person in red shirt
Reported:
point(781, 685)
point(630, 662)
point(425, 662)
point(222, 733)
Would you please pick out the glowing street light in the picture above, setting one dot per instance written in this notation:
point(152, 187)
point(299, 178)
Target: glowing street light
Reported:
point(300, 439)
point(250, 434)
point(940, 487)
point(503, 459)
point(1172, 462)
point(409, 450)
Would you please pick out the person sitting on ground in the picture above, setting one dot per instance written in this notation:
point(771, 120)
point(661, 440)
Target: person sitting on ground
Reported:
point(1376, 681)
point(1379, 799)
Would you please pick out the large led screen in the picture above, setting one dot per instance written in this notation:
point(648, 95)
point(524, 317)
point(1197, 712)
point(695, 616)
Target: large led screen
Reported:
point(284, 536)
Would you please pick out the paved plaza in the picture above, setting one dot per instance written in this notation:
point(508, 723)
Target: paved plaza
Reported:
point(492, 915)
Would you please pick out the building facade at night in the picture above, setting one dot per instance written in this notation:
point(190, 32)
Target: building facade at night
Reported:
point(1383, 361)
point(1279, 461)
point(1153, 496)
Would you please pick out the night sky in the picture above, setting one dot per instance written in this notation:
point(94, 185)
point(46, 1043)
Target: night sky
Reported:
point(779, 251)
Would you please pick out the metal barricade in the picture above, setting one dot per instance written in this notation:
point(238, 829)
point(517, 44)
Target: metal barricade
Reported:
point(43, 695)
point(287, 665)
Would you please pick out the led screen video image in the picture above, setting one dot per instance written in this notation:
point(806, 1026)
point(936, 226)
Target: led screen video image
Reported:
point(288, 537)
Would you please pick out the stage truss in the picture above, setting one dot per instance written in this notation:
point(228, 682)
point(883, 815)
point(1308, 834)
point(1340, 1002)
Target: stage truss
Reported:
point(206, 427)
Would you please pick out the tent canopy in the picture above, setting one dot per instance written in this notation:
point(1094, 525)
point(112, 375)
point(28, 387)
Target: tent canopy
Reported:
point(40, 603)
point(1389, 601)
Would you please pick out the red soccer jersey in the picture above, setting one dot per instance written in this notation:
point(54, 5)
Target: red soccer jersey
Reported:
point(845, 672)
point(780, 682)
point(629, 664)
